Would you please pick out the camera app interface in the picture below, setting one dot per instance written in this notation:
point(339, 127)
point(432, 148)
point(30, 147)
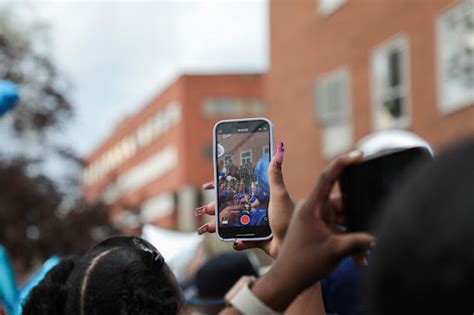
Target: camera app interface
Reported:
point(243, 156)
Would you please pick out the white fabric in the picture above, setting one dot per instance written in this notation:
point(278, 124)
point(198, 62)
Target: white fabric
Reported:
point(178, 248)
point(247, 303)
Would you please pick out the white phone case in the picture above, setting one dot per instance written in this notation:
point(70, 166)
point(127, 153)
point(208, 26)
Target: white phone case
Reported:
point(214, 146)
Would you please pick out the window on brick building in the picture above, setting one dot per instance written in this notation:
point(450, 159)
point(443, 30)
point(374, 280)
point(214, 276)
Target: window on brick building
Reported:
point(266, 150)
point(333, 111)
point(390, 87)
point(327, 7)
point(232, 107)
point(245, 157)
point(456, 57)
point(228, 159)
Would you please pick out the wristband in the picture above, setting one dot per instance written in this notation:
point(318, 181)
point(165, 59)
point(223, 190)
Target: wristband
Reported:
point(243, 299)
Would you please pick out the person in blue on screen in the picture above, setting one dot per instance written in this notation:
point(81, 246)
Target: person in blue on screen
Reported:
point(245, 205)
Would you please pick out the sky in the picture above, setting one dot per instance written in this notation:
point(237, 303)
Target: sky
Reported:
point(118, 55)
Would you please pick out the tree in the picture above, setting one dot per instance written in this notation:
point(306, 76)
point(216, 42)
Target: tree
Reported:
point(38, 217)
point(24, 60)
point(33, 226)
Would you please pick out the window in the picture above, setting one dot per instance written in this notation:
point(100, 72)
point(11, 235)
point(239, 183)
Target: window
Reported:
point(228, 159)
point(333, 111)
point(456, 57)
point(245, 157)
point(144, 133)
point(266, 150)
point(390, 85)
point(231, 107)
point(327, 7)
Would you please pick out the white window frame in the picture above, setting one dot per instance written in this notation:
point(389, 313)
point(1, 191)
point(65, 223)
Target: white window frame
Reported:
point(266, 147)
point(400, 41)
point(444, 106)
point(226, 157)
point(328, 7)
point(241, 153)
point(328, 126)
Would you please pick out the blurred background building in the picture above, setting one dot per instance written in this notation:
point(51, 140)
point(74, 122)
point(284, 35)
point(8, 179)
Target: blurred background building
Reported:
point(155, 162)
point(340, 70)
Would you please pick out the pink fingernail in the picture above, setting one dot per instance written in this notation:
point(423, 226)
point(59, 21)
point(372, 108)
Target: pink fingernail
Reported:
point(203, 229)
point(199, 211)
point(279, 153)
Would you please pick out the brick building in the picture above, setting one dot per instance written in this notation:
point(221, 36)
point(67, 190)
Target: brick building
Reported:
point(241, 151)
point(341, 69)
point(156, 160)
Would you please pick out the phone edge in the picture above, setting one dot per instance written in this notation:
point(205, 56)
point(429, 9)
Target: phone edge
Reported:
point(214, 158)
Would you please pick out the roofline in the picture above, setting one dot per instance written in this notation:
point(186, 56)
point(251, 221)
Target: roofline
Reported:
point(183, 76)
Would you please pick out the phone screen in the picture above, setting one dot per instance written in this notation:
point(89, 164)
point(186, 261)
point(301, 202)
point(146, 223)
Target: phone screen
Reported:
point(243, 152)
point(365, 186)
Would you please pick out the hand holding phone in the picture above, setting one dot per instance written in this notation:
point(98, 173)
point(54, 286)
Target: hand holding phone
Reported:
point(280, 209)
point(242, 153)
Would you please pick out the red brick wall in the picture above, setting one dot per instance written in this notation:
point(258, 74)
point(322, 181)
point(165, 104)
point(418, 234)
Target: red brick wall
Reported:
point(305, 44)
point(199, 128)
point(192, 135)
point(174, 135)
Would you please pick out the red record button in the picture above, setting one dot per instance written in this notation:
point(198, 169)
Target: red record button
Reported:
point(245, 219)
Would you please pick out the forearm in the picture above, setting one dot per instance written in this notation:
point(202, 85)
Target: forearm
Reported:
point(309, 301)
point(276, 289)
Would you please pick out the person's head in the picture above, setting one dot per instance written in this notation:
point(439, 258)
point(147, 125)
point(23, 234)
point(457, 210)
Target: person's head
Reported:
point(254, 187)
point(121, 275)
point(424, 262)
point(216, 277)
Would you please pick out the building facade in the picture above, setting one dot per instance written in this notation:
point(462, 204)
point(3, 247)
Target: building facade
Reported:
point(242, 150)
point(341, 69)
point(155, 161)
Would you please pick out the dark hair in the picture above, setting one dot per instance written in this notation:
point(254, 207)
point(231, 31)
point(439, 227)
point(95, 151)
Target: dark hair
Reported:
point(220, 273)
point(121, 275)
point(424, 261)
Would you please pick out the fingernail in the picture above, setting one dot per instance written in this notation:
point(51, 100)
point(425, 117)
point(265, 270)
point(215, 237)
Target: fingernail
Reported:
point(355, 154)
point(203, 229)
point(279, 153)
point(199, 211)
point(373, 244)
point(234, 245)
point(341, 227)
point(365, 262)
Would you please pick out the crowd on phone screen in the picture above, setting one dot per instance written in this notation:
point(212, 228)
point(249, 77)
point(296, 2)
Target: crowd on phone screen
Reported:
point(423, 262)
point(239, 189)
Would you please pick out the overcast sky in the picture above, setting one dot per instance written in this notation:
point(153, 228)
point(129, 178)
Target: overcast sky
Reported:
point(118, 55)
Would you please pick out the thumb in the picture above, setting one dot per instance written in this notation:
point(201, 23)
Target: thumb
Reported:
point(275, 175)
point(354, 243)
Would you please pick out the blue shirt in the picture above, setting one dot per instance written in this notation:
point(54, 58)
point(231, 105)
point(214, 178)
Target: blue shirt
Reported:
point(341, 289)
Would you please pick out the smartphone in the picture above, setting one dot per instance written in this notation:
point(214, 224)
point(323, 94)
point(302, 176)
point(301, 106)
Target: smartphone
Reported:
point(365, 186)
point(242, 153)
